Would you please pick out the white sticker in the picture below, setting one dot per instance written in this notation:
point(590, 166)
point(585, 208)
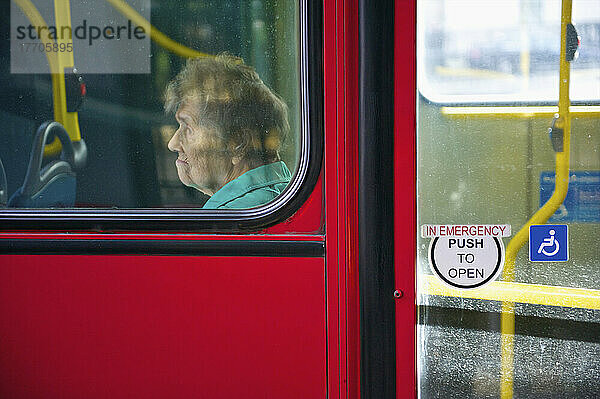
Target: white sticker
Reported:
point(461, 230)
point(466, 256)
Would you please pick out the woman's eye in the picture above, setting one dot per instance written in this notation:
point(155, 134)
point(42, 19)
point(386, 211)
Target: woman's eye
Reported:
point(183, 128)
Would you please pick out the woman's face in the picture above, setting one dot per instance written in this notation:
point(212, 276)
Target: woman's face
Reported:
point(202, 160)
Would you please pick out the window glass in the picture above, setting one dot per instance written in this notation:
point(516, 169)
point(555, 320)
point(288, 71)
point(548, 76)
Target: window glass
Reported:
point(201, 109)
point(504, 51)
point(532, 332)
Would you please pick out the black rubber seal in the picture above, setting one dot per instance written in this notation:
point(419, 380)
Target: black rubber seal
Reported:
point(376, 200)
point(295, 249)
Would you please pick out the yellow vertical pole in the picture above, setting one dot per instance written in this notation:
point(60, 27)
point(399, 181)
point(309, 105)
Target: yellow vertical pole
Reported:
point(57, 62)
point(54, 65)
point(62, 15)
point(542, 215)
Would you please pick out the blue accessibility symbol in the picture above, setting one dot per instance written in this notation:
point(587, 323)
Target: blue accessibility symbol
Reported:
point(548, 243)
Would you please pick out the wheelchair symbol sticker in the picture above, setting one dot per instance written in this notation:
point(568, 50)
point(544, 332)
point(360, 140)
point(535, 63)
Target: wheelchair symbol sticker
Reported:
point(548, 243)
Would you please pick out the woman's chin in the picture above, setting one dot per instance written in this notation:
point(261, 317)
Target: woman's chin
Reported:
point(193, 185)
point(186, 181)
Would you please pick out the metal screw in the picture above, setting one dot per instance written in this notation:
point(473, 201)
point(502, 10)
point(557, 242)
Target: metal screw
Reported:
point(398, 294)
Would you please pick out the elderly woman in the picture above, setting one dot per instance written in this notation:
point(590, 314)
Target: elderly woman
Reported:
point(231, 126)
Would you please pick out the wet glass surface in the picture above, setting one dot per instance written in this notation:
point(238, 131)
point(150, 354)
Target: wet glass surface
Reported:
point(122, 119)
point(487, 170)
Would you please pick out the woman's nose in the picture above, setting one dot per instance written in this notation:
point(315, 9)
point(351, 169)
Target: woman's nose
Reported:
point(174, 144)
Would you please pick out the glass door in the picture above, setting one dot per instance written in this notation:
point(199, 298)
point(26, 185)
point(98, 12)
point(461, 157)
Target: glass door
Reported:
point(508, 199)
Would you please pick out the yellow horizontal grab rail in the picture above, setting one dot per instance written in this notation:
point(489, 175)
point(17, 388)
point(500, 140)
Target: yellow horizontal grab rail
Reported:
point(157, 36)
point(535, 294)
point(577, 111)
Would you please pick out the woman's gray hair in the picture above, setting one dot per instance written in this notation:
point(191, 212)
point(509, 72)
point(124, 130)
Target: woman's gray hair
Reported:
point(230, 97)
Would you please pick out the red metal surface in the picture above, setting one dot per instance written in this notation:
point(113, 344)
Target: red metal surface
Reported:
point(351, 198)
point(175, 327)
point(333, 261)
point(161, 327)
point(308, 219)
point(405, 196)
point(341, 119)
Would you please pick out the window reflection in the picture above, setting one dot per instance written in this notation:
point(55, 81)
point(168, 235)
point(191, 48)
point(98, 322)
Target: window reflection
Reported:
point(504, 51)
point(122, 120)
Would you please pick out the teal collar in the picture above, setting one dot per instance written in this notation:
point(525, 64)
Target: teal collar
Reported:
point(265, 176)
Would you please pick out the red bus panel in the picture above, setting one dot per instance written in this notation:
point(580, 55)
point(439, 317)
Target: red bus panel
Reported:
point(162, 327)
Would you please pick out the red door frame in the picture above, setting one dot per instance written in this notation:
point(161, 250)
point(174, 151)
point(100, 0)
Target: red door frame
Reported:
point(405, 196)
point(341, 196)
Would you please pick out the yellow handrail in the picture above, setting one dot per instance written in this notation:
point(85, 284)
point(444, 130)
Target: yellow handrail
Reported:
point(535, 294)
point(57, 62)
point(62, 14)
point(542, 215)
point(36, 19)
point(157, 36)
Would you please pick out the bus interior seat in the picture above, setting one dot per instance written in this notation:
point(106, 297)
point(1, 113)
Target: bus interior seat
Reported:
point(53, 184)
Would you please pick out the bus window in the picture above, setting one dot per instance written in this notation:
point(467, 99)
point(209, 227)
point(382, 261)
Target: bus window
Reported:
point(504, 51)
point(228, 73)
